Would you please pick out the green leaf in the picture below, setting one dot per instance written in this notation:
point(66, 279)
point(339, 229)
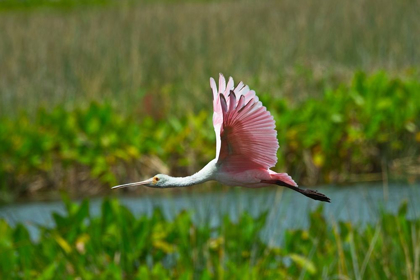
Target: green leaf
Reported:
point(304, 263)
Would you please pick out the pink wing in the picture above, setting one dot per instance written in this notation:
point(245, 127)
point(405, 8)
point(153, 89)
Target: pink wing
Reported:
point(245, 131)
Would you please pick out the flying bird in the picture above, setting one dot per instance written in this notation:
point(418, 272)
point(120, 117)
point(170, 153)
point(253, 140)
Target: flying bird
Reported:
point(246, 145)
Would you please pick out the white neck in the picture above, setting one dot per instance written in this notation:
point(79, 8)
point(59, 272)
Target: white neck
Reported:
point(204, 175)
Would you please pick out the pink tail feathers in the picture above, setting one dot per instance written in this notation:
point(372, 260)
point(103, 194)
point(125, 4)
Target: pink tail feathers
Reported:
point(284, 177)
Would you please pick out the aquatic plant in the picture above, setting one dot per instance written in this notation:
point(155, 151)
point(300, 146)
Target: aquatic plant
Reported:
point(118, 245)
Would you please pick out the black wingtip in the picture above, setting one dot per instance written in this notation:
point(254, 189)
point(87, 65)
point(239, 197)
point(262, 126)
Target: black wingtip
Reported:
point(306, 192)
point(315, 195)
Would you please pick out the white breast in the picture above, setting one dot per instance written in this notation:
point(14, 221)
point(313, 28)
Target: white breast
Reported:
point(247, 178)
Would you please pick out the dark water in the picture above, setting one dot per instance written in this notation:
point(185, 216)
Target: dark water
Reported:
point(358, 204)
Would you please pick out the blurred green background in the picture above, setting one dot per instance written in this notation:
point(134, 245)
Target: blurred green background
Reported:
point(96, 93)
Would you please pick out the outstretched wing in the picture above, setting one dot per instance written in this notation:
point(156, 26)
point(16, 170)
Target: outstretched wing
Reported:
point(245, 131)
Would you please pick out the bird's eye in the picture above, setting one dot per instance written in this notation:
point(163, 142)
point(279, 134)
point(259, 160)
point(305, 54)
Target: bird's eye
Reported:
point(155, 179)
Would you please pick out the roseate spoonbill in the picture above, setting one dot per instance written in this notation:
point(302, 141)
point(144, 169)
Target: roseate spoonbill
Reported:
point(246, 145)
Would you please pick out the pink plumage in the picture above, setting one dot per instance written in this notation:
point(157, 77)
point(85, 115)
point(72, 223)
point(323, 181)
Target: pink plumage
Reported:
point(246, 145)
point(244, 128)
point(246, 140)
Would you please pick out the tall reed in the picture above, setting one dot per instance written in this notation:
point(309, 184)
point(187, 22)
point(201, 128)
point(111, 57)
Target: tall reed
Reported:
point(168, 50)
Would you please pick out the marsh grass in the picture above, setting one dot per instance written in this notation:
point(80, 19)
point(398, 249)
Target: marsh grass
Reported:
point(167, 51)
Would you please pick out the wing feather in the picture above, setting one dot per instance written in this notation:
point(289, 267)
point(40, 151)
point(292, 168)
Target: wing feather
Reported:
point(245, 131)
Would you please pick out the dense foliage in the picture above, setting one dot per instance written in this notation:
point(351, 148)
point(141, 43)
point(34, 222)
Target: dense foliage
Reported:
point(362, 129)
point(117, 245)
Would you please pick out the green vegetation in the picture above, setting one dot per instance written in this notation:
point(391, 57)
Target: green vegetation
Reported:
point(92, 97)
point(117, 245)
point(373, 126)
point(287, 48)
point(99, 92)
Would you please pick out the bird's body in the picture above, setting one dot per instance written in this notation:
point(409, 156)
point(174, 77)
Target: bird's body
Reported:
point(246, 145)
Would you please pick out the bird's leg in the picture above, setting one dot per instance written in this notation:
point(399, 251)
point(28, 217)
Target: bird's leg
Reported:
point(306, 192)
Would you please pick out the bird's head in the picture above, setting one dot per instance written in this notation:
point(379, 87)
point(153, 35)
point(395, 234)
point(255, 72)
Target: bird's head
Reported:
point(157, 181)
